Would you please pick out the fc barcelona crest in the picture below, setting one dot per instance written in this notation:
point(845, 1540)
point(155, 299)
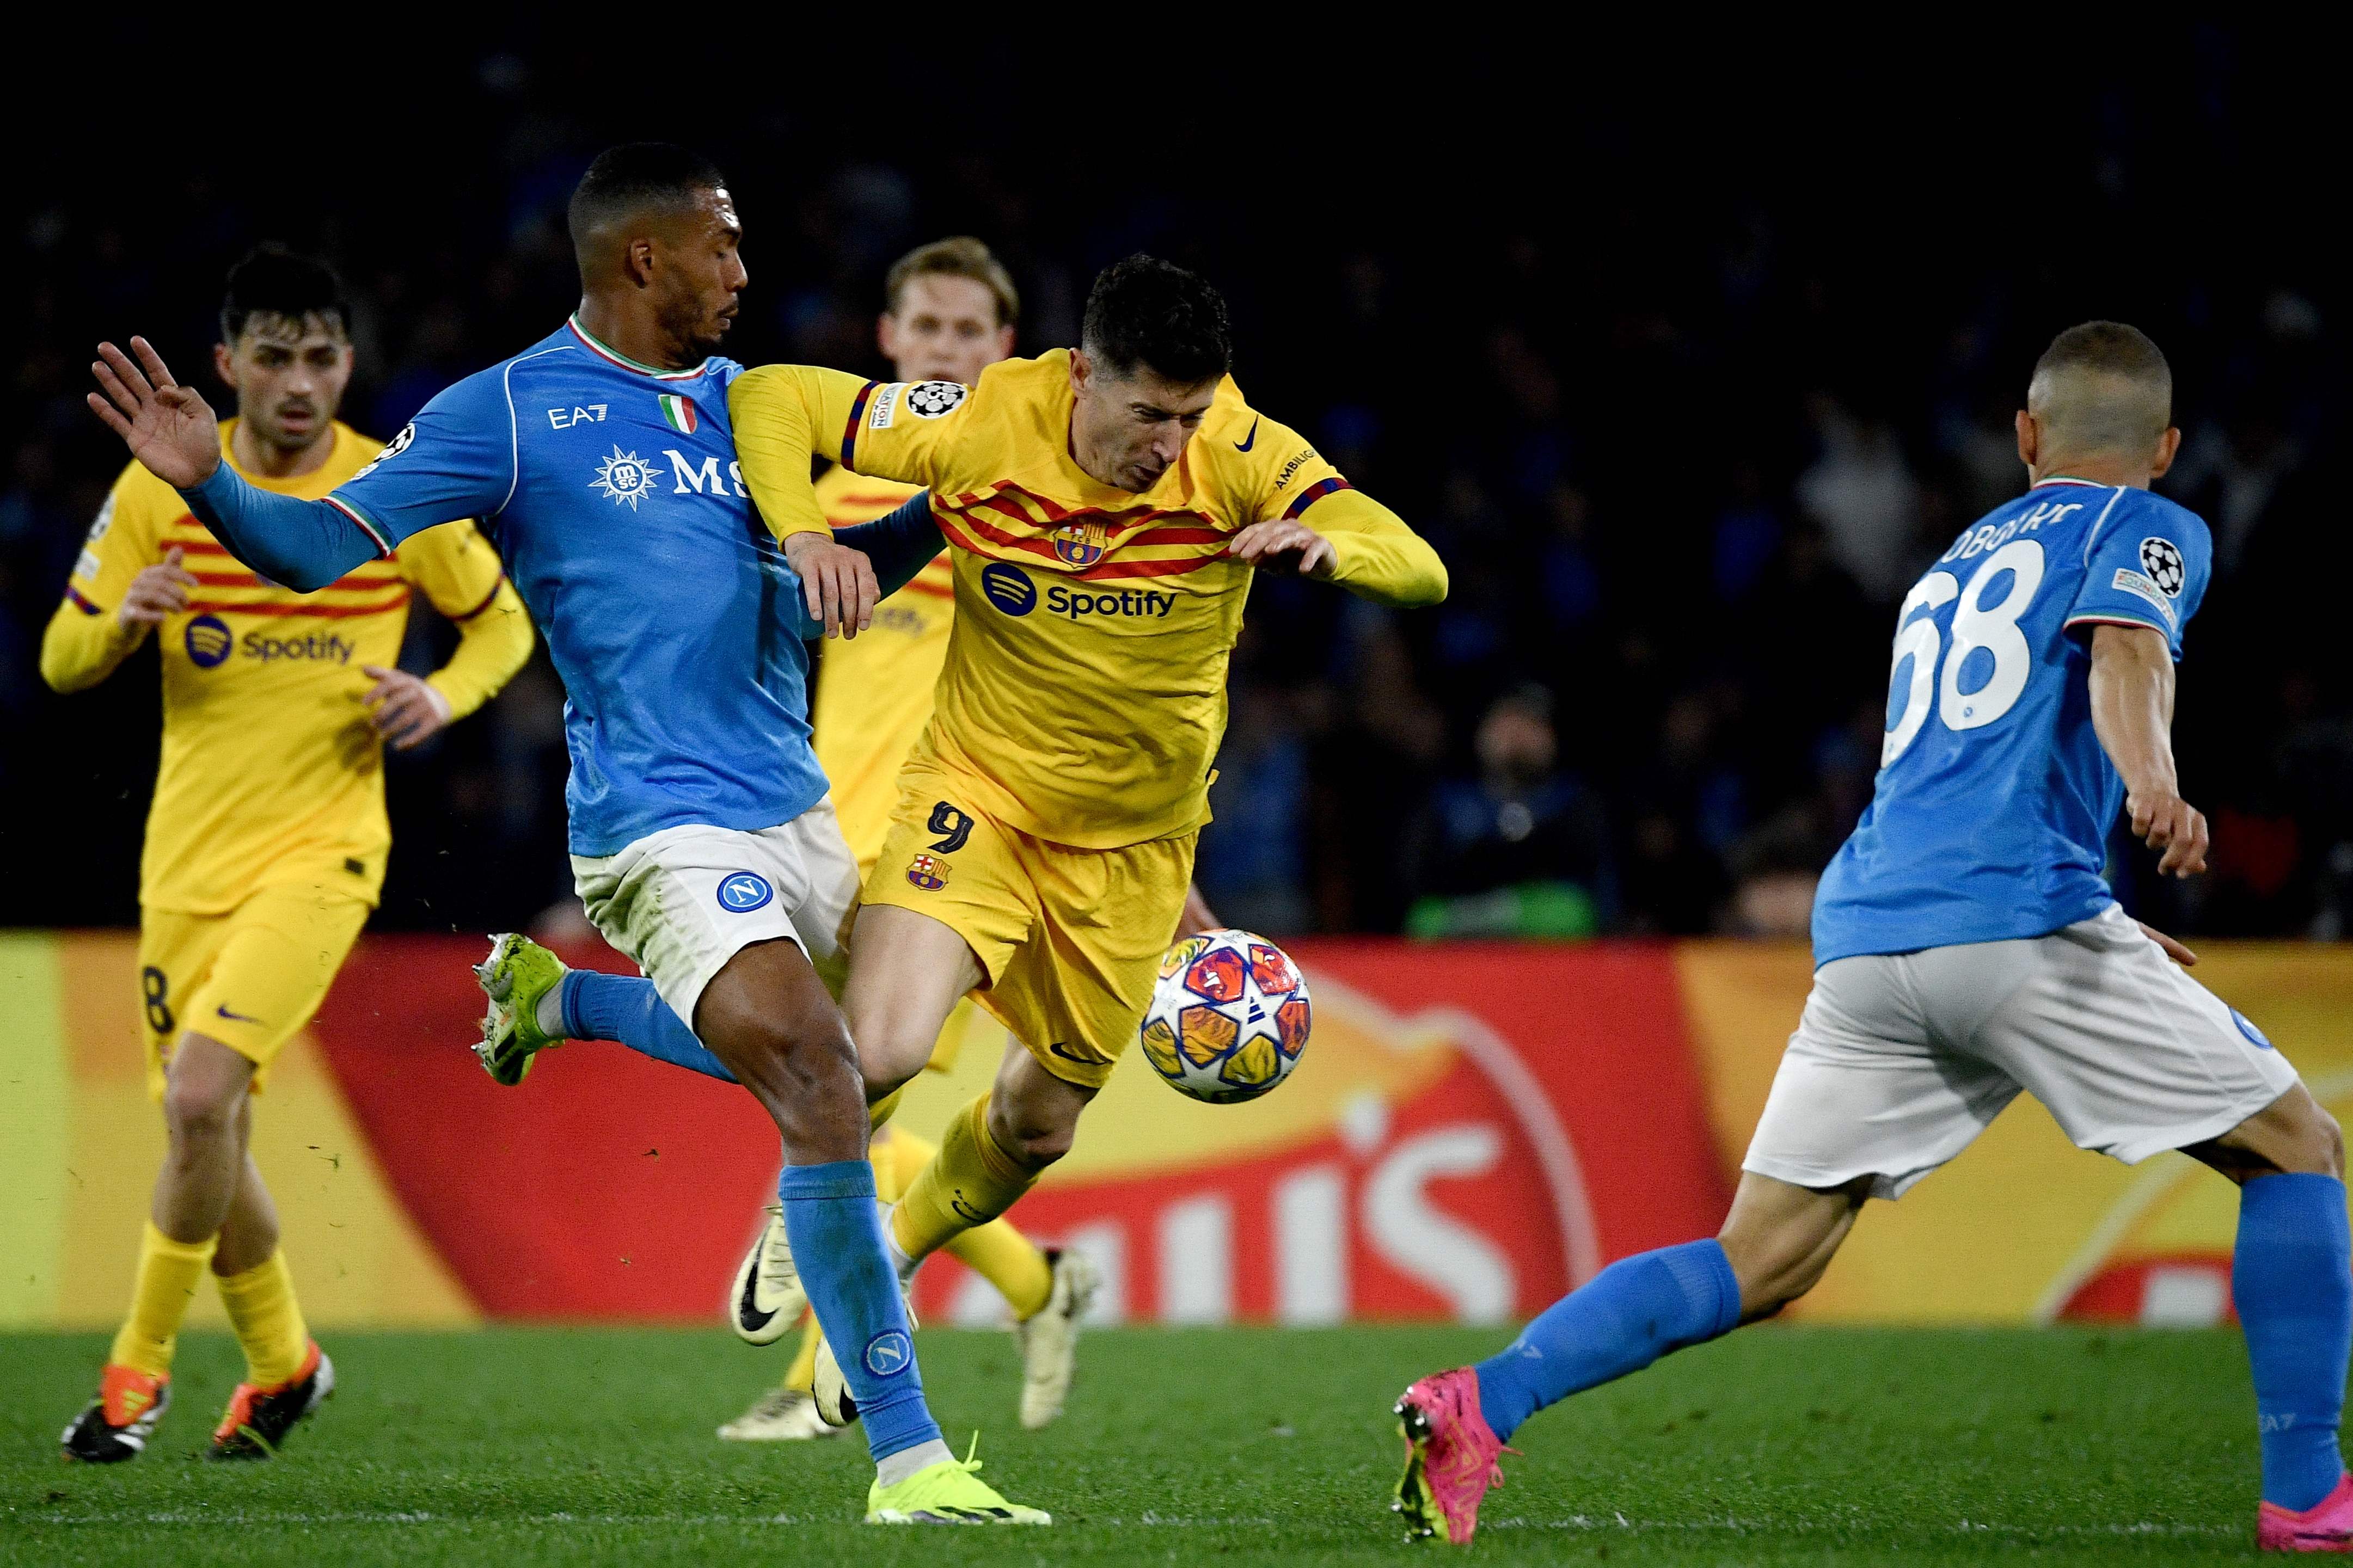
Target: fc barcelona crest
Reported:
point(928, 872)
point(1080, 543)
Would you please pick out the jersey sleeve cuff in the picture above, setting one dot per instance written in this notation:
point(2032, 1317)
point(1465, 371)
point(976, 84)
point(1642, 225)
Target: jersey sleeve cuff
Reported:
point(2109, 618)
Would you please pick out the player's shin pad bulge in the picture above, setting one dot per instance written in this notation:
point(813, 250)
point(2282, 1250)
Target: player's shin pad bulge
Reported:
point(1070, 940)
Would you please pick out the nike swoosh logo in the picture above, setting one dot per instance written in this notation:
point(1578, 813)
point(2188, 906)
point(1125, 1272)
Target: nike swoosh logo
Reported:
point(747, 1310)
point(1247, 442)
point(234, 1017)
point(1069, 1055)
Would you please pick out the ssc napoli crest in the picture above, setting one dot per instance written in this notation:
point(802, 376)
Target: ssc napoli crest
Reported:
point(930, 399)
point(889, 1353)
point(1080, 543)
point(2161, 559)
point(741, 892)
point(928, 872)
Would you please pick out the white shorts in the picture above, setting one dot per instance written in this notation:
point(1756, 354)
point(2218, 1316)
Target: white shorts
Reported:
point(1903, 1059)
point(684, 901)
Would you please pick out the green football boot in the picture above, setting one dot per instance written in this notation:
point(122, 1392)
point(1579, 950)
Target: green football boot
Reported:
point(947, 1493)
point(516, 974)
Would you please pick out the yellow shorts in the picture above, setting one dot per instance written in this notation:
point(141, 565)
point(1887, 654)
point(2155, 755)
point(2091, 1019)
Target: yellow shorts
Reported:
point(1070, 940)
point(249, 978)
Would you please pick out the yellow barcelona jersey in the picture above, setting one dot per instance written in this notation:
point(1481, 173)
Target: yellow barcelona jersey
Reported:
point(1084, 694)
point(874, 691)
point(270, 771)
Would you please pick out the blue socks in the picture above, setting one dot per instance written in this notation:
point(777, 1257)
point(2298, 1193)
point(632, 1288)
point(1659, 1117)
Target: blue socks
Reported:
point(1620, 1320)
point(2292, 1280)
point(837, 1239)
point(629, 1010)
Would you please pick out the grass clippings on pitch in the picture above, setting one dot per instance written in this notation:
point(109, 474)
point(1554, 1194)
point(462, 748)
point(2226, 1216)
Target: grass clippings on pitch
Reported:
point(566, 1447)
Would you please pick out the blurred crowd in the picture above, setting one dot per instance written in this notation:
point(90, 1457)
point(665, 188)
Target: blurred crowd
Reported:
point(1683, 444)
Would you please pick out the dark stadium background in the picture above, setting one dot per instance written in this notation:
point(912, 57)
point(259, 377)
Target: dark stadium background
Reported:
point(1686, 357)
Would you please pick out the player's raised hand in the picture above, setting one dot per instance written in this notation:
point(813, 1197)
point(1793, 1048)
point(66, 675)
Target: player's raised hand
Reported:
point(837, 583)
point(2171, 826)
point(404, 708)
point(1285, 545)
point(168, 428)
point(159, 591)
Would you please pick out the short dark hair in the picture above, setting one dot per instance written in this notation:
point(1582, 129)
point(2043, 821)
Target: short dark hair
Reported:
point(959, 256)
point(634, 176)
point(1147, 311)
point(275, 281)
point(2103, 385)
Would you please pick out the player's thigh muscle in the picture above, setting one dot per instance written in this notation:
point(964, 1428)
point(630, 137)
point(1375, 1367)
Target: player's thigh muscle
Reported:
point(2130, 1054)
point(907, 971)
point(1865, 1090)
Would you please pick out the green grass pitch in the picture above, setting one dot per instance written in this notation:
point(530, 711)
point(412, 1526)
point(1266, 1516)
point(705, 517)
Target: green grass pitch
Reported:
point(524, 1446)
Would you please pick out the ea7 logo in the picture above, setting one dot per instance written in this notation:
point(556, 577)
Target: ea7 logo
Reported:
point(566, 418)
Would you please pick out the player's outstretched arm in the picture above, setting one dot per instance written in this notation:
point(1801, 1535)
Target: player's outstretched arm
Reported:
point(303, 544)
point(2132, 713)
point(1348, 537)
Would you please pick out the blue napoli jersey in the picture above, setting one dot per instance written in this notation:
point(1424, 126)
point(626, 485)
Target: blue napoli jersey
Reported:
point(1994, 797)
point(612, 491)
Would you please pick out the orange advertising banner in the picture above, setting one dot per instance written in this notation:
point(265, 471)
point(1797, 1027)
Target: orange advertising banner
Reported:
point(1473, 1128)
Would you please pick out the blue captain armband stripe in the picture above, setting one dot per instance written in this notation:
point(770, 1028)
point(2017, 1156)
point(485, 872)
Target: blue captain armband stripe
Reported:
point(1312, 494)
point(74, 597)
point(850, 432)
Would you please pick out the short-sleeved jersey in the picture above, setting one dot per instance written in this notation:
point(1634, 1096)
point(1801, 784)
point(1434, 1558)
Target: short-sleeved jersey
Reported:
point(874, 691)
point(1994, 797)
point(612, 491)
point(270, 771)
point(1084, 691)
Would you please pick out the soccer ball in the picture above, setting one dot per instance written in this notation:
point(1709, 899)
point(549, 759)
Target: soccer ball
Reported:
point(1229, 1018)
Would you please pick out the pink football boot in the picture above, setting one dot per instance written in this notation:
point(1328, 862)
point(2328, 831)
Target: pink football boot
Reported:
point(1449, 1456)
point(2326, 1526)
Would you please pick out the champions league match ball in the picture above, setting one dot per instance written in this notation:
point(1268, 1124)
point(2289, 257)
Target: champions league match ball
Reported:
point(1230, 1017)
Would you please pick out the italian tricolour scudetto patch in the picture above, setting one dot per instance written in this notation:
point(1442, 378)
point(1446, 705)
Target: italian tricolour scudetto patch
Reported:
point(678, 410)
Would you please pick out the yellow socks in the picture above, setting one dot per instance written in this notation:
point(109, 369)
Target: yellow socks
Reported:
point(995, 1251)
point(267, 1319)
point(969, 1182)
point(802, 1374)
point(169, 1272)
point(1008, 1260)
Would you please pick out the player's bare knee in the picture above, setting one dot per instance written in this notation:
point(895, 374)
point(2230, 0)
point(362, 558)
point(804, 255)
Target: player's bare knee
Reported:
point(202, 1110)
point(1037, 1141)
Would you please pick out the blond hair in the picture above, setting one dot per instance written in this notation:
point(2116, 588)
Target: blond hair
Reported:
point(959, 256)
